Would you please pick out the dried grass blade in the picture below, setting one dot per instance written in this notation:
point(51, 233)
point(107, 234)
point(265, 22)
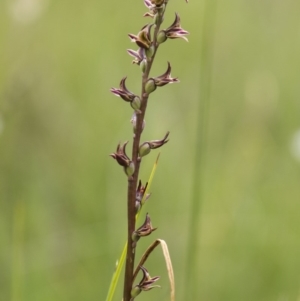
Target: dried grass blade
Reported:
point(168, 261)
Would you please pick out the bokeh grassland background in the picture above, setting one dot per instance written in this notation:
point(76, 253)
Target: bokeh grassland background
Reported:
point(62, 199)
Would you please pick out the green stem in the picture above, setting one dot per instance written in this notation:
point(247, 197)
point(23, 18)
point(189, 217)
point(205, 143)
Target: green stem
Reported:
point(206, 61)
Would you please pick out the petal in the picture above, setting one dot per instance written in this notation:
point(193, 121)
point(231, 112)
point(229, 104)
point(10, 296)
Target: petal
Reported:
point(166, 74)
point(176, 22)
point(132, 37)
point(133, 53)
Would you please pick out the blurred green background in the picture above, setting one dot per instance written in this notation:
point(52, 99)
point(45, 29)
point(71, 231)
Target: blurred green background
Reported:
point(62, 199)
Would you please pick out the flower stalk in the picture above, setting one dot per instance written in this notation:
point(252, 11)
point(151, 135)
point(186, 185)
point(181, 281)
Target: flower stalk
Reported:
point(148, 40)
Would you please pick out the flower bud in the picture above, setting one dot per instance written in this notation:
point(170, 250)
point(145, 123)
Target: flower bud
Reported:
point(135, 237)
point(149, 52)
point(161, 37)
point(136, 104)
point(144, 149)
point(135, 291)
point(150, 86)
point(143, 65)
point(129, 170)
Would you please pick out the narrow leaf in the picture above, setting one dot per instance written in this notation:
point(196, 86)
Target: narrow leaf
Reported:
point(168, 261)
point(116, 275)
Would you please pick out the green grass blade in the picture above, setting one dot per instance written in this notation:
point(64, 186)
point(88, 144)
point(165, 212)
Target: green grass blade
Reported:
point(151, 177)
point(209, 12)
point(120, 263)
point(116, 275)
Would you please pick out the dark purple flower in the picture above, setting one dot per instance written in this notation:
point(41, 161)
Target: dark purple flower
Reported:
point(165, 78)
point(123, 160)
point(123, 92)
point(175, 31)
point(138, 55)
point(126, 95)
point(140, 195)
point(144, 230)
point(146, 147)
point(147, 281)
point(152, 9)
point(143, 38)
point(120, 155)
